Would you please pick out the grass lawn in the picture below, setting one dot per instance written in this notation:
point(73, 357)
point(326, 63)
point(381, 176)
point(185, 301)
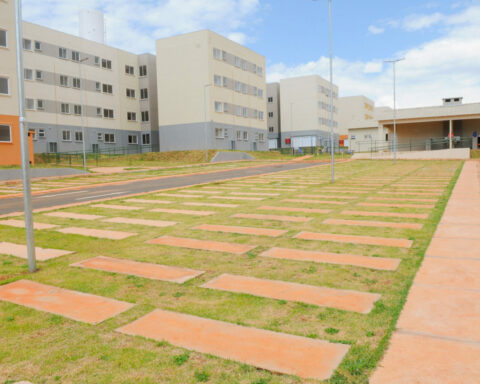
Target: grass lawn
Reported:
point(46, 348)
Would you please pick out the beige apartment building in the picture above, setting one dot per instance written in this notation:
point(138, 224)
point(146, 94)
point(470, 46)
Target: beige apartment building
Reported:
point(211, 93)
point(305, 112)
point(273, 116)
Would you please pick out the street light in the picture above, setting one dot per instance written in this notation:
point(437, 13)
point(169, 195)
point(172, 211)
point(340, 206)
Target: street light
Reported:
point(81, 114)
point(205, 122)
point(331, 90)
point(394, 62)
point(24, 142)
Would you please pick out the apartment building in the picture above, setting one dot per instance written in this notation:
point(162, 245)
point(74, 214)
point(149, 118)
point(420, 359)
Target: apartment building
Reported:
point(273, 115)
point(305, 112)
point(71, 82)
point(10, 149)
point(212, 94)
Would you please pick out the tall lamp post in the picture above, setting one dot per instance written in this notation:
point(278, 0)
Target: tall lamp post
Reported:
point(205, 129)
point(24, 142)
point(394, 62)
point(332, 147)
point(82, 87)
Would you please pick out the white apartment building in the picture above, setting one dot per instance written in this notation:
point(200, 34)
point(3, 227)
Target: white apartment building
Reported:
point(305, 112)
point(212, 93)
point(273, 115)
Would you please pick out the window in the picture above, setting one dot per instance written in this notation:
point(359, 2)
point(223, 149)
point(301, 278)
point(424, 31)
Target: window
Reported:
point(77, 109)
point(108, 113)
point(28, 73)
point(225, 82)
point(129, 70)
point(131, 93)
point(270, 129)
point(132, 139)
point(142, 70)
point(219, 133)
point(353, 137)
point(254, 68)
point(99, 111)
point(217, 54)
point(107, 88)
point(225, 107)
point(217, 80)
point(30, 104)
point(5, 134)
point(109, 138)
point(66, 136)
point(99, 137)
point(224, 56)
point(245, 135)
point(261, 137)
point(260, 71)
point(244, 65)
point(260, 93)
point(52, 147)
point(146, 139)
point(238, 110)
point(145, 117)
point(39, 75)
point(144, 93)
point(64, 81)
point(255, 114)
point(244, 112)
point(96, 61)
point(76, 83)
point(260, 115)
point(27, 44)
point(238, 86)
point(244, 88)
point(237, 61)
point(3, 38)
point(65, 108)
point(79, 136)
point(41, 133)
point(4, 86)
point(38, 46)
point(75, 56)
point(131, 116)
point(98, 86)
point(62, 53)
point(270, 99)
point(41, 105)
point(239, 135)
point(106, 64)
point(270, 114)
point(218, 106)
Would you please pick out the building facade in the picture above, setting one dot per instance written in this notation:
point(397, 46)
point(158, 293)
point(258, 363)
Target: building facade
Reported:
point(305, 112)
point(273, 116)
point(211, 94)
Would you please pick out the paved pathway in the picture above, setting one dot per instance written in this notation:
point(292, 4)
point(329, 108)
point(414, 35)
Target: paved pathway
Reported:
point(16, 173)
point(438, 334)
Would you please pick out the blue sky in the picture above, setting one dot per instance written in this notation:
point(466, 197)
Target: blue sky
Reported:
point(440, 39)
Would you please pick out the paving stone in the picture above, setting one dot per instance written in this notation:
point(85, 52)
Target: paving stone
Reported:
point(146, 222)
point(336, 196)
point(451, 247)
point(413, 359)
point(304, 357)
point(183, 212)
point(327, 297)
point(179, 195)
point(275, 189)
point(76, 216)
point(99, 233)
point(206, 245)
point(256, 216)
point(398, 189)
point(370, 240)
point(119, 207)
point(390, 205)
point(237, 198)
point(74, 305)
point(21, 224)
point(218, 205)
point(254, 194)
point(41, 254)
point(293, 209)
point(310, 201)
point(403, 199)
point(443, 312)
point(148, 201)
point(203, 192)
point(386, 214)
point(411, 193)
point(360, 191)
point(365, 223)
point(141, 269)
point(382, 263)
point(221, 187)
point(458, 231)
point(453, 273)
point(241, 230)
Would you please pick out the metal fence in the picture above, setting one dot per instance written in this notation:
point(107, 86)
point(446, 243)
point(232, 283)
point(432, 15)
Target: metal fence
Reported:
point(412, 145)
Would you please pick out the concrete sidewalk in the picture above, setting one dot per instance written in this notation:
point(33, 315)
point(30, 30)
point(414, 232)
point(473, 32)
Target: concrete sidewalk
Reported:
point(437, 339)
point(16, 173)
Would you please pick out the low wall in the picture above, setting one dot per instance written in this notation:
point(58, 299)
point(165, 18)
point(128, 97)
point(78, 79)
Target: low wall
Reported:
point(441, 154)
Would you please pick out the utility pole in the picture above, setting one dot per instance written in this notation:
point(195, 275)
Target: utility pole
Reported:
point(24, 142)
point(331, 91)
point(84, 138)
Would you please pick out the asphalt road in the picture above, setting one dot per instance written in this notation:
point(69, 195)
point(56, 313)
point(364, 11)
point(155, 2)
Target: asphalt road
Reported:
point(139, 186)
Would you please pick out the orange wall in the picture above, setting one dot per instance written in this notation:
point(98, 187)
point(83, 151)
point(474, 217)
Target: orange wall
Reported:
point(10, 153)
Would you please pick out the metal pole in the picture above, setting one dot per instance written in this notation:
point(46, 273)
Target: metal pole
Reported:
point(450, 134)
point(82, 87)
point(331, 92)
point(24, 142)
point(205, 122)
point(394, 62)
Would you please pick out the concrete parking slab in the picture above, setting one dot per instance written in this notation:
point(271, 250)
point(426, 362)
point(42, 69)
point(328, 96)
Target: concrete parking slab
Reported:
point(75, 216)
point(256, 216)
point(366, 223)
point(42, 254)
point(386, 214)
point(370, 240)
point(21, 224)
point(98, 233)
point(205, 245)
point(241, 230)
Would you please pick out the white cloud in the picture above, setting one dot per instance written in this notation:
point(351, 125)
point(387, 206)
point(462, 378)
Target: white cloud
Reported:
point(238, 37)
point(374, 30)
point(417, 22)
point(439, 68)
point(134, 25)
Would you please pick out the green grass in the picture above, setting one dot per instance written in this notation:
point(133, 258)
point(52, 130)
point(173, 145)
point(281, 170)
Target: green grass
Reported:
point(46, 348)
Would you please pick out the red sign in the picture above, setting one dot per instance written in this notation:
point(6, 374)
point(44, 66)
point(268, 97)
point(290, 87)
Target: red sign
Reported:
point(288, 141)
